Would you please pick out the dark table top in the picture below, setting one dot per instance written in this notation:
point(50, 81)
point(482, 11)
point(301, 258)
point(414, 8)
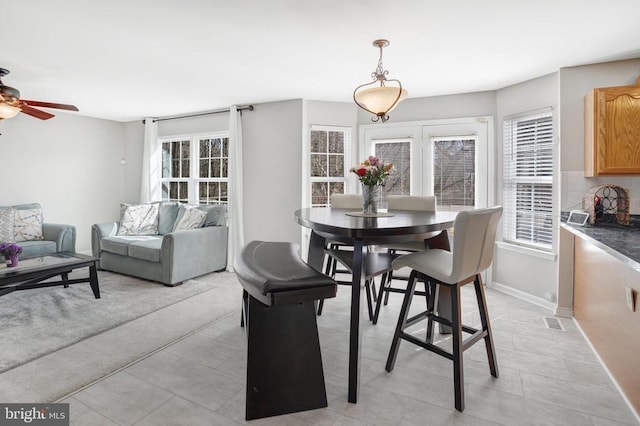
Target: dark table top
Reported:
point(403, 225)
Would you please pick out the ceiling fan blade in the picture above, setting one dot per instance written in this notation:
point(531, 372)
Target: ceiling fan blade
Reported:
point(42, 115)
point(50, 105)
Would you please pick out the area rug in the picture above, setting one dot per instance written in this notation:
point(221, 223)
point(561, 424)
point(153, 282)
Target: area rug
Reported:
point(36, 322)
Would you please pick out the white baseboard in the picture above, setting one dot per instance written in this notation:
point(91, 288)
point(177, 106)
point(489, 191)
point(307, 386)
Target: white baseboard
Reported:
point(564, 312)
point(523, 296)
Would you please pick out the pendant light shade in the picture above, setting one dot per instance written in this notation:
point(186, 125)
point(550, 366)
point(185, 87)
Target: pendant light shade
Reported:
point(382, 94)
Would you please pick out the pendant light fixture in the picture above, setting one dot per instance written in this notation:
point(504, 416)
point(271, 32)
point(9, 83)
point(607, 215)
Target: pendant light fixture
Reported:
point(379, 98)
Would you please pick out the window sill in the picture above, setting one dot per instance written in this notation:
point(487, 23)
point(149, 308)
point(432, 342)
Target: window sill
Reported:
point(527, 250)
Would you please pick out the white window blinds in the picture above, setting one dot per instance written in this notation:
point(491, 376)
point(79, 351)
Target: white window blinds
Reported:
point(528, 178)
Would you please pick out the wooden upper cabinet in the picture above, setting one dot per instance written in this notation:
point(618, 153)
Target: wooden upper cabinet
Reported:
point(612, 131)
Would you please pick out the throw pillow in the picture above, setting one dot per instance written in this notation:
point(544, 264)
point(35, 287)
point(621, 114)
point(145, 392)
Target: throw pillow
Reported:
point(6, 226)
point(189, 218)
point(27, 225)
point(167, 214)
point(138, 219)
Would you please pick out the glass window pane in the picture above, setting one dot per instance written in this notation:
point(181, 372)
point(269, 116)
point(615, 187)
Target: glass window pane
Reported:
point(214, 191)
point(319, 194)
point(204, 148)
point(398, 153)
point(336, 188)
point(318, 141)
point(215, 168)
point(175, 167)
point(204, 168)
point(185, 168)
point(183, 190)
point(336, 165)
point(166, 160)
point(225, 168)
point(224, 195)
point(225, 147)
point(336, 142)
point(454, 172)
point(216, 148)
point(318, 165)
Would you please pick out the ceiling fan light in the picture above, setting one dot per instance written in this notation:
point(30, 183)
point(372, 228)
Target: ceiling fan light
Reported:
point(8, 111)
point(380, 100)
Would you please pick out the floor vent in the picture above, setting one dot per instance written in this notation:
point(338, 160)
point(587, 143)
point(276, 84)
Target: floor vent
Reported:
point(553, 323)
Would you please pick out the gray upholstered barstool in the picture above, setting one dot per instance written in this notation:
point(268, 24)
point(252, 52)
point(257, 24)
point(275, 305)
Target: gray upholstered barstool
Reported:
point(436, 239)
point(474, 238)
point(375, 263)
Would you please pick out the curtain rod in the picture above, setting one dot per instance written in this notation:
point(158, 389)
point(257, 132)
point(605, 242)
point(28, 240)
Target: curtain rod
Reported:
point(155, 120)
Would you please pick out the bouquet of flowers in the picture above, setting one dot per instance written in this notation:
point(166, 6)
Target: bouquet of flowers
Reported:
point(8, 250)
point(372, 171)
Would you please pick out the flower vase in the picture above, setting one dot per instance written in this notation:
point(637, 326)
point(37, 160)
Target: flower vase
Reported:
point(370, 199)
point(12, 260)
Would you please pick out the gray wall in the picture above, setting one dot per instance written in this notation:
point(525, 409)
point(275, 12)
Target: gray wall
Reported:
point(524, 272)
point(69, 164)
point(439, 107)
point(273, 137)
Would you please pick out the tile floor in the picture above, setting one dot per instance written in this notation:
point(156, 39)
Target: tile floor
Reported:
point(547, 377)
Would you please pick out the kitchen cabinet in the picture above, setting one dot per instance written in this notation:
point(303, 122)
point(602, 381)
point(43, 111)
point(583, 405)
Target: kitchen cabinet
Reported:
point(612, 131)
point(600, 309)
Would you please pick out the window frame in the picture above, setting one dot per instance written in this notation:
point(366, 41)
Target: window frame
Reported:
point(344, 179)
point(538, 174)
point(194, 179)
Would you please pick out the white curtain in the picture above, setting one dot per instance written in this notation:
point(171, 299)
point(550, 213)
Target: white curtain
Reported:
point(150, 179)
point(236, 225)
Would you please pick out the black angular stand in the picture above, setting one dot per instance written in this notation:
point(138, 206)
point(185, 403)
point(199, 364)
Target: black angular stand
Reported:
point(284, 365)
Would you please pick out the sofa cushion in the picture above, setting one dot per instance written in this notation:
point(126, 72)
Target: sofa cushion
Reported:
point(117, 244)
point(138, 219)
point(146, 250)
point(167, 214)
point(189, 217)
point(133, 246)
point(6, 225)
point(27, 224)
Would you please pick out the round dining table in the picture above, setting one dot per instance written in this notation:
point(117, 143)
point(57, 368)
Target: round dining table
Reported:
point(356, 229)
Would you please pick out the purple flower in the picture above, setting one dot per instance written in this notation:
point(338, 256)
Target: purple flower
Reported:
point(10, 249)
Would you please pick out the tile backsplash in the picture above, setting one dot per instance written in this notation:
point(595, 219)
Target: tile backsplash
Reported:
point(574, 186)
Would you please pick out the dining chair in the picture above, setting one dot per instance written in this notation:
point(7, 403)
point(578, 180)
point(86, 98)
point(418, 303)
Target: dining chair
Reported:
point(376, 264)
point(473, 245)
point(412, 203)
point(340, 201)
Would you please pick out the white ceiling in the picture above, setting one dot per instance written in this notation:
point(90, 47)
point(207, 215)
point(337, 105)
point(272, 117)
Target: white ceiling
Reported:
point(127, 59)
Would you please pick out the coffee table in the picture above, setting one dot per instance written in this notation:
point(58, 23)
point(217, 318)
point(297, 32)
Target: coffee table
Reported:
point(38, 271)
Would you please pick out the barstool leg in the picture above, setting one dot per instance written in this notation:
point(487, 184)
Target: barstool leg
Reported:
point(367, 287)
point(432, 289)
point(402, 319)
point(456, 338)
point(484, 320)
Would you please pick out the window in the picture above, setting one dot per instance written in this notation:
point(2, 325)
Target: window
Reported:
point(454, 172)
point(195, 169)
point(397, 152)
point(528, 179)
point(329, 147)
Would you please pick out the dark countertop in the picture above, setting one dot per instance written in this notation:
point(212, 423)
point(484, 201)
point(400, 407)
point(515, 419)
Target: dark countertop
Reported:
point(623, 242)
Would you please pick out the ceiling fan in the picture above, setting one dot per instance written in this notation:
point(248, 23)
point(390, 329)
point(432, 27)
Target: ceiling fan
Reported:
point(11, 104)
